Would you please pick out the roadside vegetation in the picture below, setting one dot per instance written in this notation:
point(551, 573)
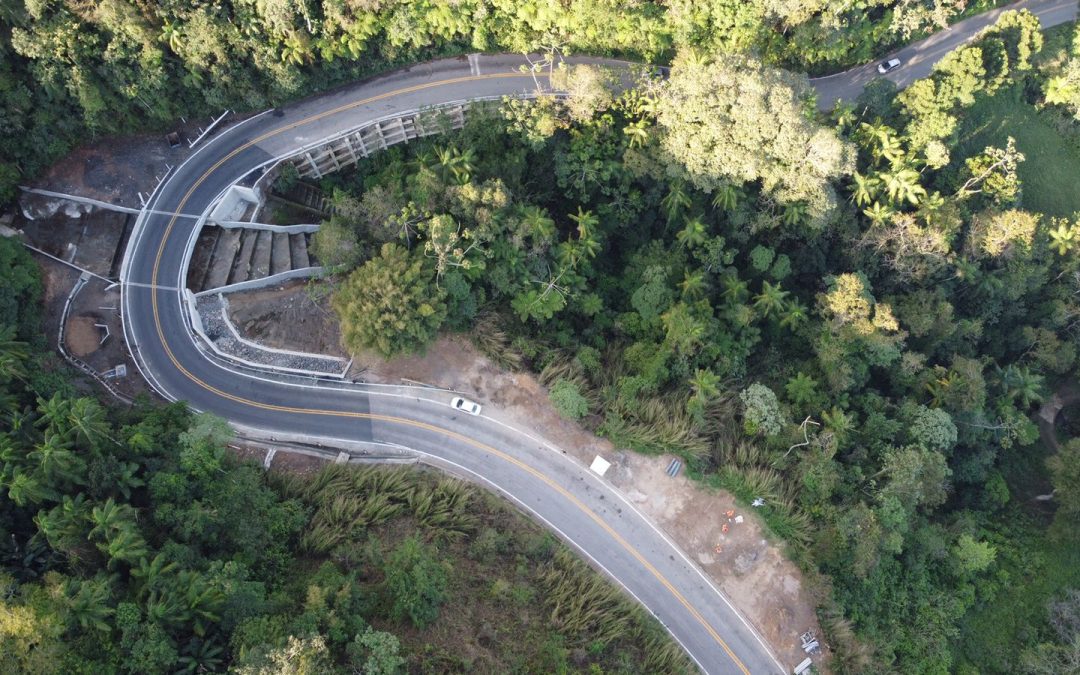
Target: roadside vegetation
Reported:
point(132, 542)
point(75, 71)
point(853, 315)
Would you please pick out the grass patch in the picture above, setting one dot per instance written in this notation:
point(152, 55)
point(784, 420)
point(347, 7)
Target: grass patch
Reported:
point(1052, 163)
point(1039, 570)
point(1035, 565)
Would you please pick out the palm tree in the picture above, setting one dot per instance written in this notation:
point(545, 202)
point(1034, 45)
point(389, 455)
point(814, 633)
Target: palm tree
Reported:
point(838, 422)
point(675, 201)
point(56, 462)
point(705, 385)
point(87, 420)
point(794, 314)
point(126, 480)
point(165, 607)
point(693, 284)
point(171, 33)
point(539, 225)
point(1062, 238)
point(771, 299)
point(903, 185)
point(878, 213)
point(110, 518)
point(200, 656)
point(889, 147)
point(54, 414)
point(883, 140)
point(802, 389)
point(693, 233)
point(586, 245)
point(87, 603)
point(795, 213)
point(1022, 385)
point(125, 545)
point(461, 167)
point(201, 601)
point(637, 133)
point(735, 289)
point(586, 222)
point(64, 525)
point(843, 115)
point(864, 189)
point(295, 49)
point(13, 354)
point(24, 489)
point(939, 387)
point(727, 197)
point(148, 574)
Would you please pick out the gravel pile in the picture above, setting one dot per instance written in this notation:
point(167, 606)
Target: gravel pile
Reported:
point(213, 309)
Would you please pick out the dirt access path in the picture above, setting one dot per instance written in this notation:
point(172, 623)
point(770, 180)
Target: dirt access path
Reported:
point(1066, 395)
point(727, 541)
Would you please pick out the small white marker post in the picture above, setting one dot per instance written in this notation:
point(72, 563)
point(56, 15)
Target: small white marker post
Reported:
point(600, 465)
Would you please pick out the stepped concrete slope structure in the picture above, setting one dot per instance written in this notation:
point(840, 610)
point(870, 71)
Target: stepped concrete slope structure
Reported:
point(579, 506)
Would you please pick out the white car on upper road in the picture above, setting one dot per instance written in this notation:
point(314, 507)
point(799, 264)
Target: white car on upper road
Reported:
point(888, 66)
point(465, 405)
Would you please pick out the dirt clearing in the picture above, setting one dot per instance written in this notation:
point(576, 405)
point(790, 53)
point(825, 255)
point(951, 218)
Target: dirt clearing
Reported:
point(115, 169)
point(287, 317)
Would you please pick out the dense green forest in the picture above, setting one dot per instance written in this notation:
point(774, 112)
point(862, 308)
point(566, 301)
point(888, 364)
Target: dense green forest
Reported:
point(854, 315)
point(131, 542)
point(74, 70)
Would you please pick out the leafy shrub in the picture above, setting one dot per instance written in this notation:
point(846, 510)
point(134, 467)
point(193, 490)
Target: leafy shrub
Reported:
point(567, 399)
point(762, 412)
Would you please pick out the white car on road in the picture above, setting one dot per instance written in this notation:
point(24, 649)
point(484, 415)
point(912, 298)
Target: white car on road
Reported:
point(465, 405)
point(888, 66)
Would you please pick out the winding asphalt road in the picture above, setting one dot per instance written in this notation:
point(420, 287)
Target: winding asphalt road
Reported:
point(578, 505)
point(919, 58)
point(582, 508)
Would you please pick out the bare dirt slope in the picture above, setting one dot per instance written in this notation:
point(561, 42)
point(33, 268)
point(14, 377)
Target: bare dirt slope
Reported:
point(287, 317)
point(115, 169)
point(750, 569)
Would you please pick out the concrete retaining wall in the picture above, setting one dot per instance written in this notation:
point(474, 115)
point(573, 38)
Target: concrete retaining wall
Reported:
point(264, 281)
point(284, 229)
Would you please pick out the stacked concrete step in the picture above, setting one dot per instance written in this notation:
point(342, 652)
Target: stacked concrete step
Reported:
point(200, 258)
point(280, 257)
point(241, 270)
point(298, 251)
point(222, 261)
point(260, 262)
point(225, 256)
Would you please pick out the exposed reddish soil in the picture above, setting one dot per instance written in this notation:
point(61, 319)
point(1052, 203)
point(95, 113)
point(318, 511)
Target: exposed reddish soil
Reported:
point(81, 336)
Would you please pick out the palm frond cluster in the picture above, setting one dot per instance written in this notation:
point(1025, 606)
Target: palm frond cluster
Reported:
point(348, 500)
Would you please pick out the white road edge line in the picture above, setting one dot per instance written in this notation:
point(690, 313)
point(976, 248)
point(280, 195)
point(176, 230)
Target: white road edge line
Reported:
point(161, 390)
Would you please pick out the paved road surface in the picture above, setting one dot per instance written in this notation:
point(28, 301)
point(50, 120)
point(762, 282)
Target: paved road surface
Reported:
point(919, 57)
point(582, 508)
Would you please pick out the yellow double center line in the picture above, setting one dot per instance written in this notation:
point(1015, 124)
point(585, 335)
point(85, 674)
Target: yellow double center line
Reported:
point(400, 420)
